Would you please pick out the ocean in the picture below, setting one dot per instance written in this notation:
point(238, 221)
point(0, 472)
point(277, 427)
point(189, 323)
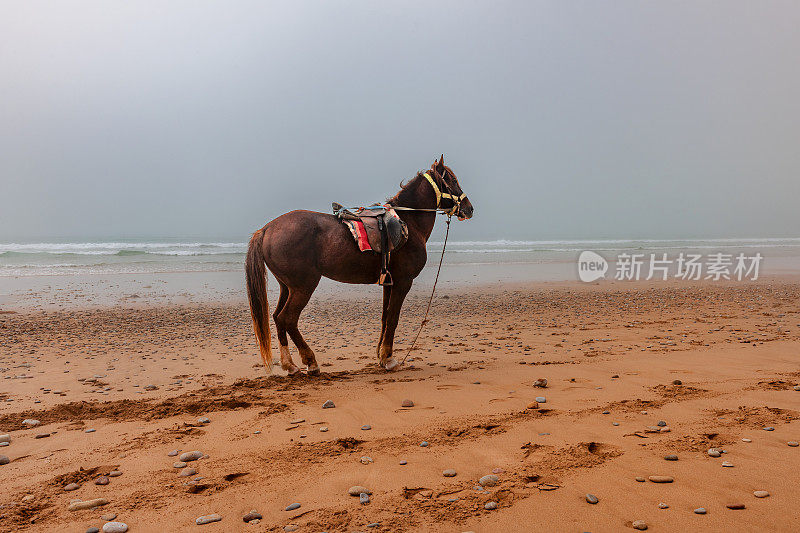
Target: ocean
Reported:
point(130, 273)
point(171, 255)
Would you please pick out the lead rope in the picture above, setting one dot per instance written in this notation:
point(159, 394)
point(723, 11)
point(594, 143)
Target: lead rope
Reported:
point(430, 300)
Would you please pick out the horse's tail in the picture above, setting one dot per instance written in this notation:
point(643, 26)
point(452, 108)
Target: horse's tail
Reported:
point(256, 274)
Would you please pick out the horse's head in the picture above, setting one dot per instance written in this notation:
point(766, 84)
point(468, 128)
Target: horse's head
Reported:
point(452, 195)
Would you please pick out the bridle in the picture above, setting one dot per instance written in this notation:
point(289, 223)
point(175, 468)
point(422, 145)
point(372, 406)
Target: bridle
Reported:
point(439, 195)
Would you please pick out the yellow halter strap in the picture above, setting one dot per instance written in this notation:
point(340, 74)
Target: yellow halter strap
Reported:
point(439, 195)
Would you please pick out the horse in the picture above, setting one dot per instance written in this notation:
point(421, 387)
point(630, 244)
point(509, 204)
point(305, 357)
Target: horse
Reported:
point(300, 247)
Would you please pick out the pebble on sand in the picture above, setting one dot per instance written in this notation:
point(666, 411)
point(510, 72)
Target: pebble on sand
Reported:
point(700, 510)
point(356, 490)
point(713, 452)
point(591, 498)
point(532, 405)
point(179, 464)
point(328, 404)
point(323, 429)
point(30, 422)
point(793, 443)
point(760, 494)
point(90, 430)
point(186, 472)
point(115, 527)
point(640, 479)
point(727, 464)
point(490, 506)
point(191, 456)
point(663, 505)
point(366, 427)
point(449, 473)
point(88, 504)
point(769, 428)
point(407, 403)
point(661, 479)
point(4, 460)
point(292, 507)
point(5, 438)
point(541, 399)
point(93, 530)
point(424, 444)
point(203, 420)
point(173, 453)
point(541, 383)
point(735, 506)
point(102, 480)
point(363, 498)
point(671, 457)
point(207, 519)
point(797, 387)
point(252, 515)
point(641, 525)
point(489, 480)
point(72, 486)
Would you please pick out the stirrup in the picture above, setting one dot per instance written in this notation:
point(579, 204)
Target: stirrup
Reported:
point(385, 279)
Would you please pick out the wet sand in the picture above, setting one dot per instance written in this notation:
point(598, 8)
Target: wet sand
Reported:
point(142, 375)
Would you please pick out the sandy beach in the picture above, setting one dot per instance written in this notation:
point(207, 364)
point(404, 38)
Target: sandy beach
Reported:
point(635, 372)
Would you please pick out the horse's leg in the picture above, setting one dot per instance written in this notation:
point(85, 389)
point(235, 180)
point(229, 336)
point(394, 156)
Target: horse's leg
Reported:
point(298, 298)
point(398, 294)
point(387, 291)
point(286, 359)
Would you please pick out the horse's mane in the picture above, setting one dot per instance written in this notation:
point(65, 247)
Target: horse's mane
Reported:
point(406, 185)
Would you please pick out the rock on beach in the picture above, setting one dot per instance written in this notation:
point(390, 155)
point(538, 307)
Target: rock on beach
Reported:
point(489, 480)
point(191, 456)
point(88, 504)
point(207, 519)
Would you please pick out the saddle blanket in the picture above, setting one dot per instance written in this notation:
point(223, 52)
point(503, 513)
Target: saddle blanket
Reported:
point(359, 234)
point(368, 237)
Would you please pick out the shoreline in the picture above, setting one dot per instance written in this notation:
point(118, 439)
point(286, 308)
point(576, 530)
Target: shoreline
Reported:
point(93, 291)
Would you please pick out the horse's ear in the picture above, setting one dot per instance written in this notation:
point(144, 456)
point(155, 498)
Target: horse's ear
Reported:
point(439, 165)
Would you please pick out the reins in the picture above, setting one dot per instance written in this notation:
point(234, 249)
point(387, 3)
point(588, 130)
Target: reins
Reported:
point(430, 300)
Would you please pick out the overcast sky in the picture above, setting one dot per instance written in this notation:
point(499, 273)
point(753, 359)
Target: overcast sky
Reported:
point(637, 119)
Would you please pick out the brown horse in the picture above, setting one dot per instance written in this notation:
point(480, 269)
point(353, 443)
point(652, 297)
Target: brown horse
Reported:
point(302, 246)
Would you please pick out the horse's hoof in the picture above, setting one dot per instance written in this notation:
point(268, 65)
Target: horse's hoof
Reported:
point(313, 371)
point(293, 371)
point(390, 364)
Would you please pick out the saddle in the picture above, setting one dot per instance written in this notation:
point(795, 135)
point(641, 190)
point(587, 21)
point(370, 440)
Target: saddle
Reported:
point(376, 228)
